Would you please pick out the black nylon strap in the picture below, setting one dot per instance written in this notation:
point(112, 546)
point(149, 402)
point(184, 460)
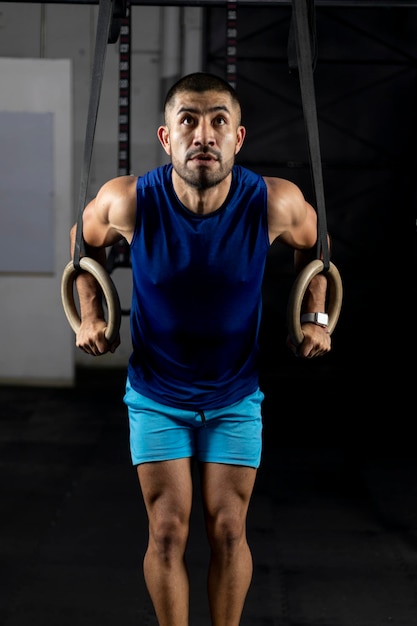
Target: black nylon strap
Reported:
point(301, 18)
point(102, 36)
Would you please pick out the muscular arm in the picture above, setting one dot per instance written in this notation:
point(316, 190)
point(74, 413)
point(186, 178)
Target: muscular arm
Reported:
point(109, 217)
point(294, 221)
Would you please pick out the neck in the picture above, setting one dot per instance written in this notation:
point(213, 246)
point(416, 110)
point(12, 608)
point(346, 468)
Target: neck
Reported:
point(201, 201)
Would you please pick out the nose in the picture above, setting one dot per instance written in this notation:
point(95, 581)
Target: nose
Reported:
point(204, 135)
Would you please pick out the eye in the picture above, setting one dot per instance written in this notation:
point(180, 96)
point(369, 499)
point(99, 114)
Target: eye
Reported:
point(187, 120)
point(219, 120)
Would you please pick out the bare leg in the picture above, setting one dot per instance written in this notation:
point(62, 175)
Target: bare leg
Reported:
point(167, 492)
point(226, 492)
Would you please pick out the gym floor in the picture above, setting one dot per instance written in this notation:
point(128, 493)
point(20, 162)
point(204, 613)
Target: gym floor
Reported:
point(332, 524)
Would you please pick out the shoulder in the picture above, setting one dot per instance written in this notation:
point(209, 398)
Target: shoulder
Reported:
point(281, 189)
point(288, 210)
point(286, 202)
point(122, 186)
point(126, 187)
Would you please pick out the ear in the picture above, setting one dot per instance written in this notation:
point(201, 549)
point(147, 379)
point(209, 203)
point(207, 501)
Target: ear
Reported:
point(241, 134)
point(163, 136)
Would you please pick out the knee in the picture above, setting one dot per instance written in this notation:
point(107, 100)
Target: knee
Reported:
point(226, 532)
point(168, 537)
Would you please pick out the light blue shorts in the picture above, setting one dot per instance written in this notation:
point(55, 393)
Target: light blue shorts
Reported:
point(158, 432)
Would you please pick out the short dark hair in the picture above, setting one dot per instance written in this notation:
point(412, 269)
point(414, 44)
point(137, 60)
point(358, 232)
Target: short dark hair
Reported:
point(201, 82)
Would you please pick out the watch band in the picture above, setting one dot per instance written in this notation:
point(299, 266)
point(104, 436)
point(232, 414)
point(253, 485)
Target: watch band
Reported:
point(321, 319)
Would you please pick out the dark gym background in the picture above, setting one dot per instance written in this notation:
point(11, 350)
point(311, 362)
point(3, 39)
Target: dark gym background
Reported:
point(333, 523)
point(365, 84)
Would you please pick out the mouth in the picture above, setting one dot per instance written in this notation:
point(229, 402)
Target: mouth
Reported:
point(203, 160)
point(203, 157)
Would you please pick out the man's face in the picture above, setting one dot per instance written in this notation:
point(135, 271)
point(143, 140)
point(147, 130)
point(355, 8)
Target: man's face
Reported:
point(202, 136)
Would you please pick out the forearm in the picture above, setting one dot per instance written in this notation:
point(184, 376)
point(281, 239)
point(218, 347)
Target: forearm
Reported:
point(314, 338)
point(89, 292)
point(314, 299)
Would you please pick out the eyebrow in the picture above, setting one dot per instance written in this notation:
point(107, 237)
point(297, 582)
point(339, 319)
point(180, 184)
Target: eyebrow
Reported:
point(213, 109)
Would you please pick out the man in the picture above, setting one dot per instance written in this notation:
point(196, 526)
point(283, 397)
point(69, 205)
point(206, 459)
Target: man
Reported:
point(199, 231)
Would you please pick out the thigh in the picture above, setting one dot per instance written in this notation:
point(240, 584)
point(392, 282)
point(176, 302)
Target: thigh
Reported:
point(167, 489)
point(227, 489)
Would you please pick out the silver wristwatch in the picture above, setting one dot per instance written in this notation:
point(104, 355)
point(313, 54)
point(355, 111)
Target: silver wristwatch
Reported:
point(321, 319)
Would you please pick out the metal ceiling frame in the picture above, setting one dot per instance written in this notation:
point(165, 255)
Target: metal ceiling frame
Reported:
point(377, 4)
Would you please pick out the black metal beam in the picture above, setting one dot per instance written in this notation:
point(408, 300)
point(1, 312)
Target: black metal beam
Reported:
point(377, 4)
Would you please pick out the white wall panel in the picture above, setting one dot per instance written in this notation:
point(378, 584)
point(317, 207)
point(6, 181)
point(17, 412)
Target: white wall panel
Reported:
point(37, 345)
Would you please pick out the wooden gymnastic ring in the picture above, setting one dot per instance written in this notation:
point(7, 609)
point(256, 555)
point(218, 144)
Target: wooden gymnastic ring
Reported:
point(334, 291)
point(108, 288)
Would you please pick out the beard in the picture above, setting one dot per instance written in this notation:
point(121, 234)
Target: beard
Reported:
point(202, 177)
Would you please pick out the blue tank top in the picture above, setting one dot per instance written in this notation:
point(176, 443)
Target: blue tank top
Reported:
point(197, 293)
